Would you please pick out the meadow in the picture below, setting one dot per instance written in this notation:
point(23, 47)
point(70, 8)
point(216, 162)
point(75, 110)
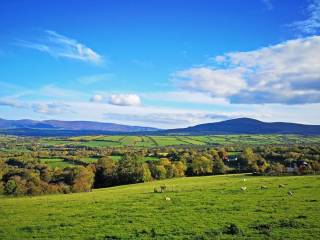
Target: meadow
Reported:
point(211, 207)
point(163, 141)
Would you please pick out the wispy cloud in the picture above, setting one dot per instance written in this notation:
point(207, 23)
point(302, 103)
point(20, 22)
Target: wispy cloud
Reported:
point(96, 78)
point(50, 108)
point(47, 108)
point(60, 46)
point(311, 25)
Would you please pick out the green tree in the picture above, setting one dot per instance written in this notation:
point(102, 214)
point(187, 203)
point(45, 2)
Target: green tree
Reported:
point(106, 173)
point(201, 166)
point(218, 166)
point(130, 169)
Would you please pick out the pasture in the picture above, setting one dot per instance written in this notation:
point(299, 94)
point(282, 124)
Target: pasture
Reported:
point(163, 141)
point(212, 207)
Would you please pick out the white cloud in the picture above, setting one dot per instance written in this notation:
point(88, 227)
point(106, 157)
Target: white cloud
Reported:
point(218, 82)
point(287, 73)
point(125, 99)
point(311, 25)
point(58, 45)
point(96, 98)
point(50, 108)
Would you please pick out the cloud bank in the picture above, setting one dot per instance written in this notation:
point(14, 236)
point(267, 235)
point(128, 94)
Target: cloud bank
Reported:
point(286, 73)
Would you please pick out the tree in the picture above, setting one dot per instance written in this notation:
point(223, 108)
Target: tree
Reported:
point(146, 175)
point(218, 166)
point(130, 169)
point(83, 179)
point(278, 168)
point(179, 169)
point(201, 166)
point(158, 171)
point(246, 158)
point(10, 187)
point(106, 173)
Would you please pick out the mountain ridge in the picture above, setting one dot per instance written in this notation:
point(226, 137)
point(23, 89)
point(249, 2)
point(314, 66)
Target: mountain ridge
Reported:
point(27, 127)
point(70, 125)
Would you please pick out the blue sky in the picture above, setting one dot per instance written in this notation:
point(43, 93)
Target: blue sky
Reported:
point(160, 63)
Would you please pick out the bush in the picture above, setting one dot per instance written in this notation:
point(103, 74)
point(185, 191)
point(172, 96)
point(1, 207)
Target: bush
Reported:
point(232, 229)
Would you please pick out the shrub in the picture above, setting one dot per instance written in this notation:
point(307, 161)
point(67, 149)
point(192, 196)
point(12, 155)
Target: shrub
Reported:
point(232, 229)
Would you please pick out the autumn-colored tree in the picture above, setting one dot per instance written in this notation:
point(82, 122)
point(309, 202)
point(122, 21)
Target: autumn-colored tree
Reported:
point(179, 169)
point(83, 179)
point(201, 166)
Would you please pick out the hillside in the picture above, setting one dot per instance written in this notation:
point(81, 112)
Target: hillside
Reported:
point(199, 208)
point(56, 125)
point(247, 126)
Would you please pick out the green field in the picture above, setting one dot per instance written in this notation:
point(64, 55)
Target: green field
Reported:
point(200, 208)
point(162, 141)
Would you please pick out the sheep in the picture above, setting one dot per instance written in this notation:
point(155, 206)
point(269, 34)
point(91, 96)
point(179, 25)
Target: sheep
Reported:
point(244, 179)
point(168, 199)
point(243, 188)
point(263, 187)
point(290, 193)
point(281, 186)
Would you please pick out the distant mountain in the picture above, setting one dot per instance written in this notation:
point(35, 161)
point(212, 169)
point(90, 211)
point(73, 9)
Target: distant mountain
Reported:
point(56, 125)
point(247, 126)
point(28, 127)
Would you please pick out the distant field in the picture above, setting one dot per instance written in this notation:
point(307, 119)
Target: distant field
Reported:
point(60, 162)
point(162, 141)
point(200, 208)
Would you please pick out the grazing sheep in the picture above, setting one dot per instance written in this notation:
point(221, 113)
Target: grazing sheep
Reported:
point(263, 187)
point(290, 193)
point(244, 179)
point(155, 190)
point(168, 199)
point(281, 186)
point(243, 188)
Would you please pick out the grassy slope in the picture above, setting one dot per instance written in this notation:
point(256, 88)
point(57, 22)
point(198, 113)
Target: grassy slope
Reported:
point(200, 207)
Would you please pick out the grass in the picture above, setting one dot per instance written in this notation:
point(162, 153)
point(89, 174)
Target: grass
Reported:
point(55, 162)
point(200, 208)
point(162, 141)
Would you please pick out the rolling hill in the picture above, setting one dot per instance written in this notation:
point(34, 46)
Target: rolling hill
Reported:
point(28, 127)
point(247, 126)
point(63, 127)
point(199, 208)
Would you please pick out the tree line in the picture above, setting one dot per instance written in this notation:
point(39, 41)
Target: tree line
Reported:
point(25, 175)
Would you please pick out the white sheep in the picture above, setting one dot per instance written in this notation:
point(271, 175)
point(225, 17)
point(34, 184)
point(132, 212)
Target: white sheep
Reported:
point(263, 187)
point(281, 186)
point(168, 199)
point(244, 179)
point(243, 188)
point(290, 193)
